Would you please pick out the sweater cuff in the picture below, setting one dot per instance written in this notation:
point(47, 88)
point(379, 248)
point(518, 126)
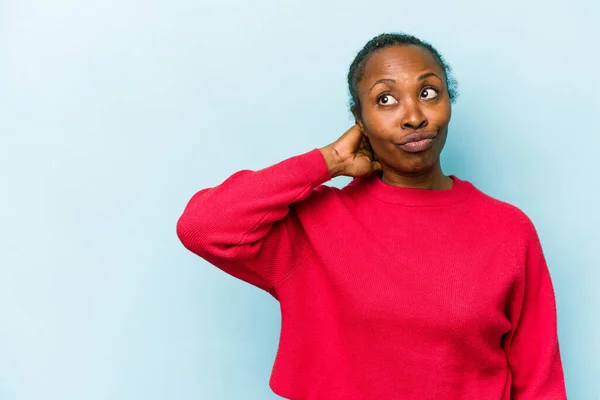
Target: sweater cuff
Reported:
point(313, 166)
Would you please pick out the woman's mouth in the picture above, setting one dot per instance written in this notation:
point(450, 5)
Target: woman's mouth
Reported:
point(416, 146)
point(417, 141)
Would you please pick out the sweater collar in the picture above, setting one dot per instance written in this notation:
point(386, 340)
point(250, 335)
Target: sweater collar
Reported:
point(374, 186)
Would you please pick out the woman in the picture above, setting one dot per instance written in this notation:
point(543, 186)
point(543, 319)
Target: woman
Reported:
point(404, 284)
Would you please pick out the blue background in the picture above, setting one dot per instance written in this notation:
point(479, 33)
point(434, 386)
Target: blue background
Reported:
point(113, 113)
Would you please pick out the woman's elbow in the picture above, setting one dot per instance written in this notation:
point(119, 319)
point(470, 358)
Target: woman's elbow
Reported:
point(188, 232)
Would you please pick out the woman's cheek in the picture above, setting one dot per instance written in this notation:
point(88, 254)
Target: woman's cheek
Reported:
point(378, 127)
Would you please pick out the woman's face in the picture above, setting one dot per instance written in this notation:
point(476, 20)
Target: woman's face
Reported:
point(403, 91)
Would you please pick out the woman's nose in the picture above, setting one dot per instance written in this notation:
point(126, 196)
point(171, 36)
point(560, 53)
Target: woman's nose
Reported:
point(413, 117)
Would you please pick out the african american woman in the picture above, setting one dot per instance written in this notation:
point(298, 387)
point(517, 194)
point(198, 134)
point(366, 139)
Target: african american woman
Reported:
point(404, 284)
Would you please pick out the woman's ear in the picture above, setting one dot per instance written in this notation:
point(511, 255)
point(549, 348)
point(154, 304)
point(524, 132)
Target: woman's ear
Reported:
point(357, 120)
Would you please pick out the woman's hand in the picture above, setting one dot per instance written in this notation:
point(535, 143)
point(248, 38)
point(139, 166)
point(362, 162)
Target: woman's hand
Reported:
point(351, 155)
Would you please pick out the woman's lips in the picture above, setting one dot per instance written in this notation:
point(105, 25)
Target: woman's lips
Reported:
point(416, 146)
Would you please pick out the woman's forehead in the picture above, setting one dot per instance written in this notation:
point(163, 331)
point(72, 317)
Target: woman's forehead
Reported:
point(400, 61)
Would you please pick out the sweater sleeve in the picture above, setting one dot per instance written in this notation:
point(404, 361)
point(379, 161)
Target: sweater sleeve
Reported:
point(244, 225)
point(532, 346)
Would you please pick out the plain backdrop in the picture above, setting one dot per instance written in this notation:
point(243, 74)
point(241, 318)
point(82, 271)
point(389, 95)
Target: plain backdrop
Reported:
point(114, 113)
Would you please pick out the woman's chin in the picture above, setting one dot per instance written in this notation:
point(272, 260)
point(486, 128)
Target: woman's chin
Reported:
point(417, 164)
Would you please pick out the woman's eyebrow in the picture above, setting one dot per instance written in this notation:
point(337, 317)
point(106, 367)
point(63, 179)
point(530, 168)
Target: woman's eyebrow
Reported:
point(384, 80)
point(427, 75)
point(389, 80)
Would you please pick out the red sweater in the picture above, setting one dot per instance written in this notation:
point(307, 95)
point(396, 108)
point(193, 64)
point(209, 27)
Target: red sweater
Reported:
point(386, 292)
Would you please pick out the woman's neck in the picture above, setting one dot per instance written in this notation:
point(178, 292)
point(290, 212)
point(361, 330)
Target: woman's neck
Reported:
point(433, 179)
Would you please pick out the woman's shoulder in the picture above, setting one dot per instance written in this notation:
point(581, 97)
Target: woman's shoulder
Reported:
point(494, 208)
point(321, 196)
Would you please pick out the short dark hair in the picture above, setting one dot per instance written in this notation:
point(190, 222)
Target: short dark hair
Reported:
point(393, 39)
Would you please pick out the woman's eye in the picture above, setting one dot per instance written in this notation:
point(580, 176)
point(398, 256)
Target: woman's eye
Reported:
point(387, 99)
point(429, 93)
